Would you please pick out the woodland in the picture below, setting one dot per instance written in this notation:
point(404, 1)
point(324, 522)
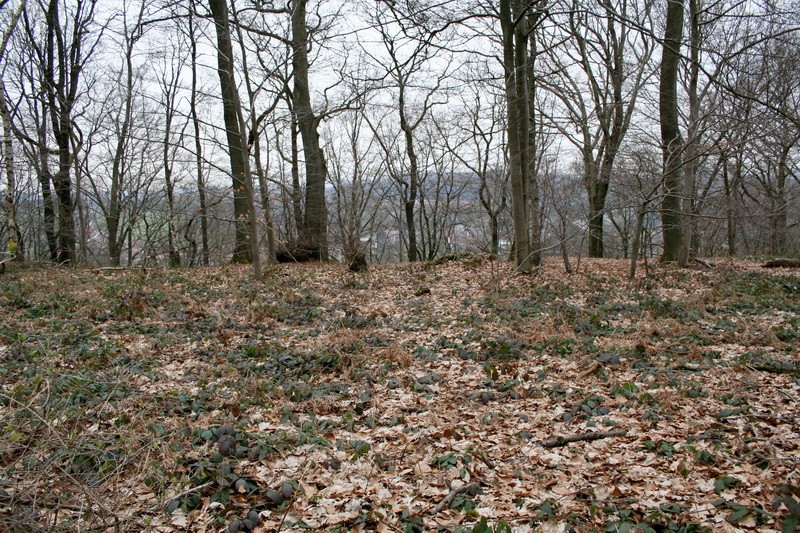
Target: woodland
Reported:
point(400, 265)
point(155, 132)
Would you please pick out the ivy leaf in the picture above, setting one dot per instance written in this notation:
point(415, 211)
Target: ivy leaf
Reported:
point(738, 514)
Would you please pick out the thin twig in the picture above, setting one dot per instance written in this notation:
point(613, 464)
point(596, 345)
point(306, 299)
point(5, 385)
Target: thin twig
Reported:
point(470, 487)
point(182, 494)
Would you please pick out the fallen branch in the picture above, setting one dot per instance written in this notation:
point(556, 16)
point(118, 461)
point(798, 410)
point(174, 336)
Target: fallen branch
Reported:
point(703, 262)
point(470, 488)
point(563, 440)
point(590, 370)
point(776, 367)
point(694, 368)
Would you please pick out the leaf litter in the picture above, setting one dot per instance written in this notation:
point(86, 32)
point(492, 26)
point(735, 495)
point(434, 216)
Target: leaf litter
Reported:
point(409, 398)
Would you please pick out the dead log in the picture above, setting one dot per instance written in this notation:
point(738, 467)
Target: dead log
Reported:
point(563, 440)
point(782, 263)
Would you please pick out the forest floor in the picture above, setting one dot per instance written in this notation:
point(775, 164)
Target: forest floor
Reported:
point(427, 397)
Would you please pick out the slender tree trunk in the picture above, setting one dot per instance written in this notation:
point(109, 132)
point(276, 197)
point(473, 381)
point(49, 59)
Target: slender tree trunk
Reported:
point(118, 168)
point(729, 209)
point(692, 148)
point(297, 190)
point(80, 207)
point(242, 251)
point(255, 146)
point(533, 145)
point(198, 145)
point(410, 200)
point(174, 254)
point(517, 114)
point(637, 239)
point(671, 141)
point(48, 209)
point(779, 216)
point(265, 206)
point(495, 235)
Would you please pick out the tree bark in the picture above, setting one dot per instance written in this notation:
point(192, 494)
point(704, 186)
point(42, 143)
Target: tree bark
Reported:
point(14, 242)
point(62, 87)
point(242, 250)
point(198, 145)
point(514, 53)
point(671, 141)
point(692, 148)
point(246, 246)
point(410, 200)
point(45, 183)
point(313, 239)
point(255, 146)
point(14, 239)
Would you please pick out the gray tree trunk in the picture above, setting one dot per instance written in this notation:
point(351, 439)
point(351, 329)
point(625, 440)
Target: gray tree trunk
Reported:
point(242, 249)
point(313, 239)
point(671, 141)
point(246, 246)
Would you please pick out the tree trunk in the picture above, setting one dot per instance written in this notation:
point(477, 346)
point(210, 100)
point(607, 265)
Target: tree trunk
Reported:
point(80, 207)
point(118, 169)
point(637, 238)
point(692, 148)
point(313, 239)
point(243, 249)
point(255, 146)
point(297, 190)
point(174, 254)
point(671, 141)
point(779, 216)
point(61, 93)
point(14, 242)
point(514, 48)
point(48, 210)
point(598, 190)
point(729, 209)
point(198, 145)
point(410, 200)
point(495, 235)
point(534, 215)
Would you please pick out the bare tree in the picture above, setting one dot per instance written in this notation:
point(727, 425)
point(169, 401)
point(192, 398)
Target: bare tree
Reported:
point(600, 70)
point(62, 50)
point(355, 173)
point(14, 243)
point(409, 44)
point(191, 32)
point(170, 84)
point(246, 248)
point(479, 148)
point(517, 20)
point(671, 139)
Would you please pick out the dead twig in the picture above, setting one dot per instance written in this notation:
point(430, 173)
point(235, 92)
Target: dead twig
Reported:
point(471, 488)
point(683, 365)
point(563, 440)
point(590, 370)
